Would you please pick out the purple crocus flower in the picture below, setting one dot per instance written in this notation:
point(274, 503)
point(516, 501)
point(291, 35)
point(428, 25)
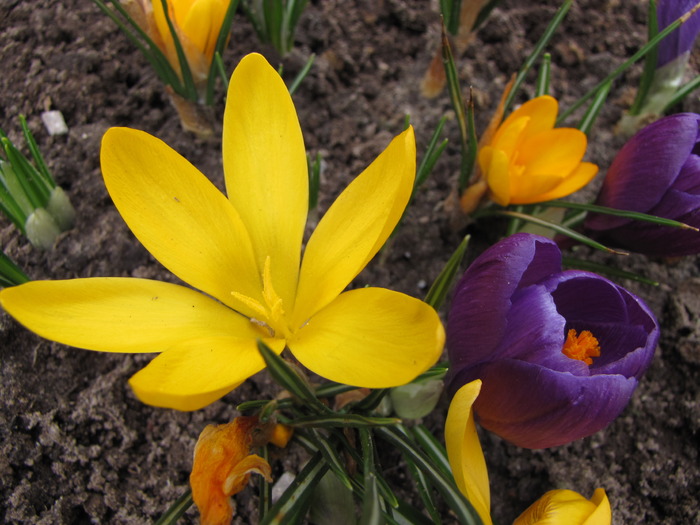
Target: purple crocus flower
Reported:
point(682, 39)
point(656, 172)
point(511, 326)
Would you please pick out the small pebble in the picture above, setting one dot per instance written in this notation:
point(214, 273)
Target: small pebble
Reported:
point(54, 122)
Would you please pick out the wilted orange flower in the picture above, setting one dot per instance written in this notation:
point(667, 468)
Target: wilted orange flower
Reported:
point(223, 464)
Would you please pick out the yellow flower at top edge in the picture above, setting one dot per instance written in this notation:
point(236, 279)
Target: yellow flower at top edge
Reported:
point(529, 161)
point(198, 23)
point(243, 252)
point(566, 507)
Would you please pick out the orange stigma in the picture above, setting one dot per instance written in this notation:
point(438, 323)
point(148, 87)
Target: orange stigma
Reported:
point(582, 347)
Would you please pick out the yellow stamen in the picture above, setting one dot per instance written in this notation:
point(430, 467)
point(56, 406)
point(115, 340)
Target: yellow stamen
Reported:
point(271, 313)
point(582, 347)
point(251, 303)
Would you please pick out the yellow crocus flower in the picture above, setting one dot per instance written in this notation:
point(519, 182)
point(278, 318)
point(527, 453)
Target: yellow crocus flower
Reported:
point(198, 24)
point(566, 507)
point(529, 161)
point(556, 507)
point(244, 253)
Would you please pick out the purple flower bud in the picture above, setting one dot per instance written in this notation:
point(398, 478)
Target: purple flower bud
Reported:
point(682, 39)
point(508, 326)
point(656, 172)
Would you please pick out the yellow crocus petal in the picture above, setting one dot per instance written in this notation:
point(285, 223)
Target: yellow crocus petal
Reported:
point(574, 182)
point(202, 24)
point(265, 168)
point(541, 113)
point(175, 10)
point(509, 137)
point(602, 515)
point(179, 216)
point(526, 190)
point(120, 314)
point(464, 450)
point(494, 165)
point(554, 151)
point(356, 226)
point(558, 507)
point(194, 373)
point(371, 337)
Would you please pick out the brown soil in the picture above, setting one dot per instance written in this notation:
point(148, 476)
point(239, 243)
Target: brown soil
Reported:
point(77, 447)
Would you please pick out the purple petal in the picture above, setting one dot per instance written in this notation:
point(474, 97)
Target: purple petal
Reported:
point(684, 196)
point(626, 350)
point(535, 333)
point(549, 408)
point(646, 167)
point(587, 297)
point(688, 180)
point(682, 39)
point(482, 298)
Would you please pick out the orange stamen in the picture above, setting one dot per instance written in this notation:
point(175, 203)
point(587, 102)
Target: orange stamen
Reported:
point(582, 347)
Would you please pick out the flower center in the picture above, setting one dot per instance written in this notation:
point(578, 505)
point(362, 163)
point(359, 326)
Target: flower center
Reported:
point(582, 346)
point(271, 314)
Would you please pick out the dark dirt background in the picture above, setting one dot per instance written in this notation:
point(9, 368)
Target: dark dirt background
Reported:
point(77, 447)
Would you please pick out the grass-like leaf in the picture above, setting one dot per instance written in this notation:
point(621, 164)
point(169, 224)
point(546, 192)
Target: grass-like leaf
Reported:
point(543, 76)
point(558, 228)
point(10, 273)
point(431, 155)
point(455, 92)
point(683, 92)
point(425, 491)
point(605, 269)
point(649, 61)
point(627, 63)
point(593, 110)
point(445, 485)
point(217, 63)
point(333, 419)
point(301, 75)
point(433, 448)
point(443, 283)
point(537, 51)
point(618, 213)
point(290, 380)
point(177, 509)
point(296, 497)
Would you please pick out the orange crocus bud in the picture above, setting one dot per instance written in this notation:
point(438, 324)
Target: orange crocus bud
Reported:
point(280, 435)
point(223, 464)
